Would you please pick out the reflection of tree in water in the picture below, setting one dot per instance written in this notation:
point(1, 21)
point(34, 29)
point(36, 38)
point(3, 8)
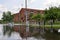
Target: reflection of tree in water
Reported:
point(34, 32)
point(7, 30)
point(47, 35)
point(52, 36)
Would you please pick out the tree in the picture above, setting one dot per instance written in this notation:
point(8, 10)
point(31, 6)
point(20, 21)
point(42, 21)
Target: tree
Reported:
point(43, 20)
point(37, 18)
point(58, 11)
point(7, 17)
point(30, 16)
point(51, 14)
point(4, 17)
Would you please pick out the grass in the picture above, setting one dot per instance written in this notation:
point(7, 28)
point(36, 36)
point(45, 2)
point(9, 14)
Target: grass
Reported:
point(47, 26)
point(54, 26)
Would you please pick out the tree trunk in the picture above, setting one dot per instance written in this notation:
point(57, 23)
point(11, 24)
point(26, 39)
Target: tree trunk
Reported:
point(44, 27)
point(51, 26)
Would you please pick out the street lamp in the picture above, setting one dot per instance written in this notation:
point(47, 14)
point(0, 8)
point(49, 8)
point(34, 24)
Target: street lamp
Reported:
point(27, 22)
point(26, 4)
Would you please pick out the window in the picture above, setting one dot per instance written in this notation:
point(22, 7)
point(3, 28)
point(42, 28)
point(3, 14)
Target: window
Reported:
point(31, 11)
point(38, 11)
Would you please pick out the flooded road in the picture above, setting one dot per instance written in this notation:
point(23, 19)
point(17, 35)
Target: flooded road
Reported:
point(37, 35)
point(14, 36)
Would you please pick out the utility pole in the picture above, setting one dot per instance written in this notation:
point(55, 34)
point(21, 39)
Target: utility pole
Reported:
point(26, 14)
point(27, 22)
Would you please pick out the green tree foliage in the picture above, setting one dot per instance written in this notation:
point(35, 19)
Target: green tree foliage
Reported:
point(58, 11)
point(30, 16)
point(51, 14)
point(37, 17)
point(7, 17)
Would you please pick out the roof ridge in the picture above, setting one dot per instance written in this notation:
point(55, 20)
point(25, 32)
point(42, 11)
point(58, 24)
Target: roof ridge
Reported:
point(31, 9)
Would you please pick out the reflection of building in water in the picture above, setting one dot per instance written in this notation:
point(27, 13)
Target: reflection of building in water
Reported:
point(11, 24)
point(21, 29)
point(21, 15)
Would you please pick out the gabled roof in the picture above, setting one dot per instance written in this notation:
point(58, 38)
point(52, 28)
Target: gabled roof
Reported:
point(28, 9)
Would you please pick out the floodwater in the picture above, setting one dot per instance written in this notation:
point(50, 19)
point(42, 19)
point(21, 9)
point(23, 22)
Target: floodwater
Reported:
point(16, 36)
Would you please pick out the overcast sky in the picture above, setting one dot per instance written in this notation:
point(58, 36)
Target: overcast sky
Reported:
point(15, 5)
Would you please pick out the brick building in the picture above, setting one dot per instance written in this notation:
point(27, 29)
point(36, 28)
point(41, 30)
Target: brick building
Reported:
point(20, 17)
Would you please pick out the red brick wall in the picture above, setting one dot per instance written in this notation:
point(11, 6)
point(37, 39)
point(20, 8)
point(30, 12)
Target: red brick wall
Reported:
point(22, 17)
point(16, 17)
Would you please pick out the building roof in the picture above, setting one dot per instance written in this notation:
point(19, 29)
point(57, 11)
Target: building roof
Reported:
point(28, 9)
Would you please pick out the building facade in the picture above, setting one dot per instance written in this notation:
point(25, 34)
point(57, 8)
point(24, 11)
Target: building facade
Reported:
point(21, 16)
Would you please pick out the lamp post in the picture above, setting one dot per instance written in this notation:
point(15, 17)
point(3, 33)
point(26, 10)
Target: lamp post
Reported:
point(27, 22)
point(26, 13)
point(26, 4)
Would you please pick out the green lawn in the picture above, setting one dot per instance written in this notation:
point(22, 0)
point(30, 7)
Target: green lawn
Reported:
point(47, 26)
